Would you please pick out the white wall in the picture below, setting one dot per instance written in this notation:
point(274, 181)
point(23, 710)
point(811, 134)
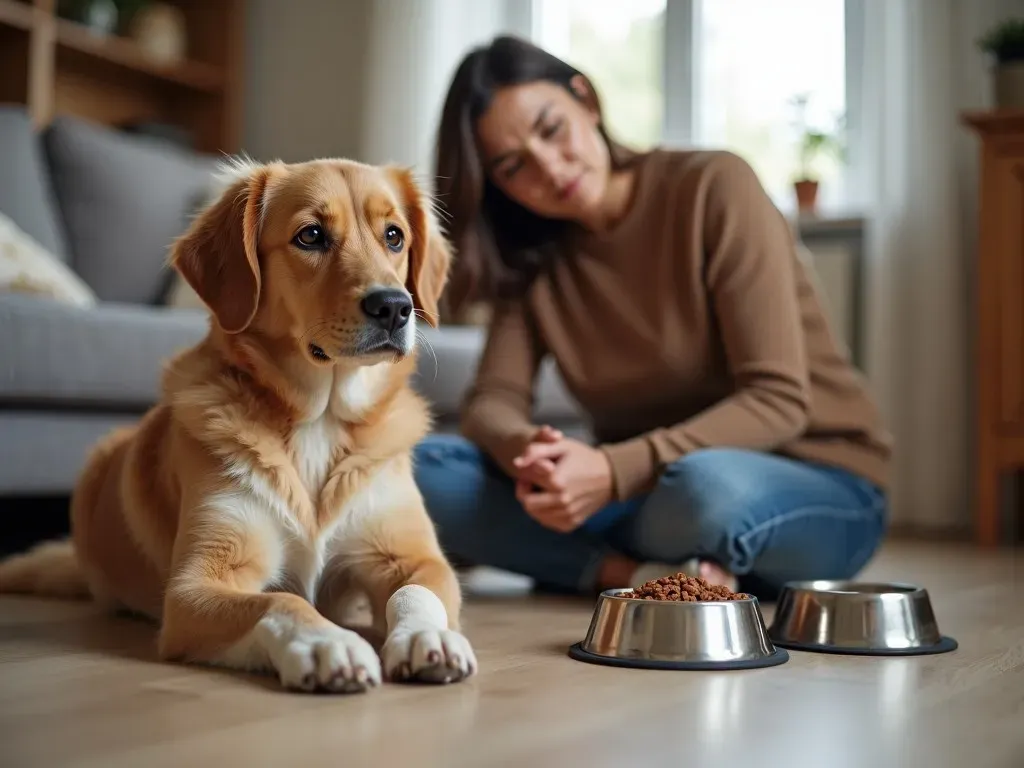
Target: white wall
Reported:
point(305, 77)
point(363, 78)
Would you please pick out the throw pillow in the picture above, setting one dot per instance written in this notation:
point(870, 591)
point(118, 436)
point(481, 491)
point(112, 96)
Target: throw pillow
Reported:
point(26, 267)
point(124, 199)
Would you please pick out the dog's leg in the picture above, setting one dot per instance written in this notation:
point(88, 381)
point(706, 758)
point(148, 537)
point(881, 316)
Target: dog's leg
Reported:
point(412, 586)
point(216, 613)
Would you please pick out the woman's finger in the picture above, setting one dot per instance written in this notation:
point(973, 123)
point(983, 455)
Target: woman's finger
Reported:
point(554, 525)
point(578, 514)
point(561, 526)
point(549, 434)
point(553, 521)
point(540, 469)
point(536, 451)
point(543, 474)
point(527, 485)
point(546, 503)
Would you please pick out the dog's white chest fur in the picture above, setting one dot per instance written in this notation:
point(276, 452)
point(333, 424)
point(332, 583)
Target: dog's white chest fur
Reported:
point(302, 556)
point(307, 562)
point(346, 397)
point(313, 445)
point(355, 392)
point(314, 448)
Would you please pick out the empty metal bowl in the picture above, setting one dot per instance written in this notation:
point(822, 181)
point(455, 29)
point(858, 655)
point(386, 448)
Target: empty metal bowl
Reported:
point(863, 618)
point(656, 634)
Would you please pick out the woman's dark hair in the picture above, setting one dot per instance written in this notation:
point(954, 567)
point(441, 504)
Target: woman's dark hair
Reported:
point(500, 246)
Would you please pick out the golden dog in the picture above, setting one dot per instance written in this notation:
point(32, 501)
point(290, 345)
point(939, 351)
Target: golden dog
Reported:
point(273, 481)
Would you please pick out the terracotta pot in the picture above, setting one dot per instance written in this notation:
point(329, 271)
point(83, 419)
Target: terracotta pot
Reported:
point(806, 195)
point(1009, 85)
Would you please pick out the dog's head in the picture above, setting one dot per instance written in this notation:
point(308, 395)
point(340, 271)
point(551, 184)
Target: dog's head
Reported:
point(339, 256)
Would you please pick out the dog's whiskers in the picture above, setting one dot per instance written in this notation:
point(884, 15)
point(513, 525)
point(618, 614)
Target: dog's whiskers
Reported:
point(439, 210)
point(432, 197)
point(424, 340)
point(426, 315)
point(314, 328)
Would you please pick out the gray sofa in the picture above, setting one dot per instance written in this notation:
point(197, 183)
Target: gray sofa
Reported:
point(108, 204)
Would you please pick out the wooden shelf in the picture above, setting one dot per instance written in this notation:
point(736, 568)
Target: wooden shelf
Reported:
point(995, 121)
point(16, 14)
point(15, 51)
point(122, 52)
point(56, 66)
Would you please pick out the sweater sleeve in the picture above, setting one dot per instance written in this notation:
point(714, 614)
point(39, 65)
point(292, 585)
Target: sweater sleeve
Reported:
point(498, 407)
point(750, 277)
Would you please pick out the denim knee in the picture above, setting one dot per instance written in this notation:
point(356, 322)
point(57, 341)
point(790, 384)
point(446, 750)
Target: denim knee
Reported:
point(761, 512)
point(440, 447)
point(696, 505)
point(451, 474)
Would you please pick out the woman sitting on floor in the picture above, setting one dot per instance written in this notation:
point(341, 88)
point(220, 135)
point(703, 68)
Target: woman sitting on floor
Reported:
point(734, 440)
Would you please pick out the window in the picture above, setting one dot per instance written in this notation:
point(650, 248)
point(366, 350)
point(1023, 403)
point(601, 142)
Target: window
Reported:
point(714, 73)
point(619, 44)
point(754, 60)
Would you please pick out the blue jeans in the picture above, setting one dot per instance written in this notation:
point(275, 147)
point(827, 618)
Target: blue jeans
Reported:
point(766, 518)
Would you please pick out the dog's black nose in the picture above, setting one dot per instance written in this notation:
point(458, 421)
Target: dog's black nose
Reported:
point(389, 308)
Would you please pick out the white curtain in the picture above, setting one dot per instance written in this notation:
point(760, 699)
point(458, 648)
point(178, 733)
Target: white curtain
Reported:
point(916, 172)
point(414, 47)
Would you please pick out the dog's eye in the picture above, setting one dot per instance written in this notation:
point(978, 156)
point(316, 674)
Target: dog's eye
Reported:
point(310, 237)
point(394, 238)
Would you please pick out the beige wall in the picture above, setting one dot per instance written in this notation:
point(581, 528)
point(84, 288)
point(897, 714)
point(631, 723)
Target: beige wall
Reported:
point(305, 80)
point(362, 78)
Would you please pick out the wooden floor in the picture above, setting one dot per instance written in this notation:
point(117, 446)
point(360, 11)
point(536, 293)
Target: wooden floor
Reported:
point(77, 688)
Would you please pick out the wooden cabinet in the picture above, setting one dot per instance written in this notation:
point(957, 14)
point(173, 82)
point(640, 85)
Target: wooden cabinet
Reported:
point(1000, 315)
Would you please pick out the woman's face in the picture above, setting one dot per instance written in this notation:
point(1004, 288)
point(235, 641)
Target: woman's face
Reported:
point(542, 148)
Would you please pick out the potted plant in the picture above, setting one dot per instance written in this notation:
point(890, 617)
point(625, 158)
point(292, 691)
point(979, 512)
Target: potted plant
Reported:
point(1005, 44)
point(814, 143)
point(98, 16)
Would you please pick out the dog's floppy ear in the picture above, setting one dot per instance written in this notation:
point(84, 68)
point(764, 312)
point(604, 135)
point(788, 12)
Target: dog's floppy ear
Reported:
point(430, 254)
point(217, 255)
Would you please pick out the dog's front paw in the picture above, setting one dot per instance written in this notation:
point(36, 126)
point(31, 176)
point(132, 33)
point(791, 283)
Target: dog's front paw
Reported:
point(428, 655)
point(327, 659)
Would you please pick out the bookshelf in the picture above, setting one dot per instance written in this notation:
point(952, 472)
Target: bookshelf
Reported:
point(55, 66)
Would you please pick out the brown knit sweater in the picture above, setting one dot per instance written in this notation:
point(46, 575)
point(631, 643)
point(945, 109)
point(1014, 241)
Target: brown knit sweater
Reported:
point(693, 323)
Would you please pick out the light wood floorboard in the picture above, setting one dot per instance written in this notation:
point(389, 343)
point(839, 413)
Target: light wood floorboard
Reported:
point(80, 688)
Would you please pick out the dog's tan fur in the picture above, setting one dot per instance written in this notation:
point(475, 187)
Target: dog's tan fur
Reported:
point(269, 486)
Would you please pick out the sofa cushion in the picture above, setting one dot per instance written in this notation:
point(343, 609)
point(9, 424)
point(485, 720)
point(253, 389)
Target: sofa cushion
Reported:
point(25, 192)
point(124, 199)
point(110, 356)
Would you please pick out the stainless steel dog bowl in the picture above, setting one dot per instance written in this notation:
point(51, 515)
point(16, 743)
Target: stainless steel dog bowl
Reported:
point(655, 634)
point(862, 618)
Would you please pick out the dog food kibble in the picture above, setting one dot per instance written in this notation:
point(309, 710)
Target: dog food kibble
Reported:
point(683, 588)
